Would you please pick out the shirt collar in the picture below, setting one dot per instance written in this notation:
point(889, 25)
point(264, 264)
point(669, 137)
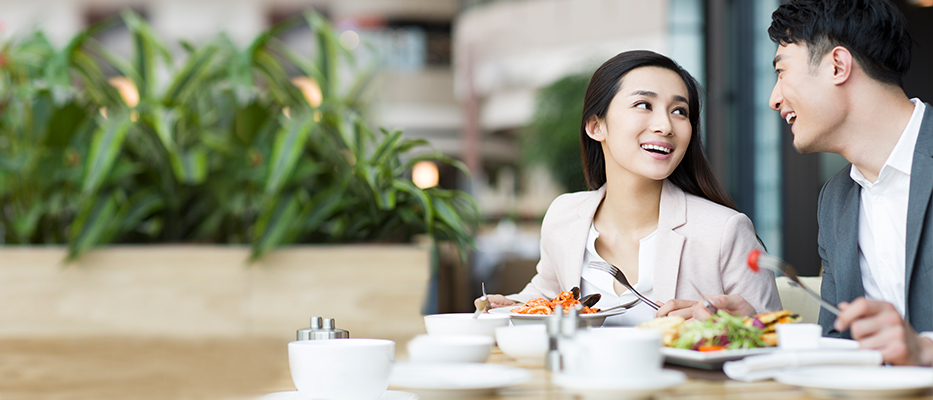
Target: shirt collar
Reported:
point(902, 156)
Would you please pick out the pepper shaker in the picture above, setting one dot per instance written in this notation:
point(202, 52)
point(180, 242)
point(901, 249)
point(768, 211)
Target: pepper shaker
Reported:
point(553, 334)
point(322, 328)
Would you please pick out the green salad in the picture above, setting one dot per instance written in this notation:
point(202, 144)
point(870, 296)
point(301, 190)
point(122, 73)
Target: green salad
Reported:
point(721, 331)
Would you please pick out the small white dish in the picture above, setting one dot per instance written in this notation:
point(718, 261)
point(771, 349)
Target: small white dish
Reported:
point(464, 324)
point(450, 348)
point(294, 395)
point(620, 387)
point(847, 382)
point(526, 343)
point(463, 379)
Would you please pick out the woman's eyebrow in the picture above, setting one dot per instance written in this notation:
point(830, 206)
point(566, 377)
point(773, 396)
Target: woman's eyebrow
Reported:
point(648, 93)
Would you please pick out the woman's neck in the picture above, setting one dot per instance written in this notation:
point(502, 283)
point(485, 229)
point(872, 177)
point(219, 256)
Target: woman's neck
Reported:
point(631, 205)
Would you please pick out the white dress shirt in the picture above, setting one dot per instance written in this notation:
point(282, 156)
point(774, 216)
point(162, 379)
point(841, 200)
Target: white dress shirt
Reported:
point(882, 223)
point(596, 281)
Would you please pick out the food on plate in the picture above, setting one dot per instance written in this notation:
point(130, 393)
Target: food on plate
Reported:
point(721, 331)
point(567, 299)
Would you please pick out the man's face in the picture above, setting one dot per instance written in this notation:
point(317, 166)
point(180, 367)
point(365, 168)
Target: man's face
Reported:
point(803, 96)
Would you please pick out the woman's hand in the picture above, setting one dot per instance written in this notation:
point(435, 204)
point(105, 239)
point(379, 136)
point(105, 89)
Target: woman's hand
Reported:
point(731, 303)
point(495, 301)
point(683, 308)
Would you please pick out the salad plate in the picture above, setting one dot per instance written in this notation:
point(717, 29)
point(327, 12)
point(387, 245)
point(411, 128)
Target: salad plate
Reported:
point(594, 319)
point(712, 360)
point(853, 381)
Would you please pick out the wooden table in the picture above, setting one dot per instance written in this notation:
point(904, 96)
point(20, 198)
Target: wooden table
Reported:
point(700, 385)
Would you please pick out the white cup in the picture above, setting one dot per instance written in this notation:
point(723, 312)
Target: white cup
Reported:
point(799, 336)
point(613, 352)
point(356, 369)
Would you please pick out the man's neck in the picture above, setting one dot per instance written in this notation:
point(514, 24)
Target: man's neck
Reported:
point(875, 123)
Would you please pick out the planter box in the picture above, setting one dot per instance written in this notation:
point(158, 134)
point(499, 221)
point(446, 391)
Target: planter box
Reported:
point(210, 291)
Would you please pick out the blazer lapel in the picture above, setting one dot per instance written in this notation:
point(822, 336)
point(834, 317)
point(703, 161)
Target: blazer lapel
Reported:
point(672, 215)
point(921, 186)
point(848, 276)
point(577, 231)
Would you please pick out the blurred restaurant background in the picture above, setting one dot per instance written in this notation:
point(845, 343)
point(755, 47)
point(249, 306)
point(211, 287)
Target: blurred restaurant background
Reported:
point(468, 76)
point(498, 84)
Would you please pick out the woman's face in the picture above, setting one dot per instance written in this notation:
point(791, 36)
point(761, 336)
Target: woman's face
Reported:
point(647, 128)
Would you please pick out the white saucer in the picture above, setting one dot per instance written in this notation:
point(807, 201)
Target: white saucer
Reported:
point(844, 381)
point(460, 378)
point(641, 387)
point(294, 395)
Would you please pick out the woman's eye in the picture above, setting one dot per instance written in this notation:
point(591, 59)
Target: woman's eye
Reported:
point(643, 105)
point(680, 111)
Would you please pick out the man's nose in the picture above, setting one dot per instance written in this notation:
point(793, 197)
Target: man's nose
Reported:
point(776, 97)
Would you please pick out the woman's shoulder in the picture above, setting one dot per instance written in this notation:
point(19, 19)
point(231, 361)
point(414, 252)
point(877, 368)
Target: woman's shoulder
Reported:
point(708, 212)
point(571, 204)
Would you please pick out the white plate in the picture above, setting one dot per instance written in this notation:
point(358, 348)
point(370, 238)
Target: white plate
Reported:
point(594, 319)
point(615, 388)
point(294, 395)
point(463, 378)
point(714, 359)
point(709, 359)
point(841, 381)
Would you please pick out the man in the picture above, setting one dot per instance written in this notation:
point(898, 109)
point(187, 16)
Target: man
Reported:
point(839, 68)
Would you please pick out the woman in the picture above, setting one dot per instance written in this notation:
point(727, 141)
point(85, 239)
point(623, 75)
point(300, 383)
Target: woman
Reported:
point(653, 209)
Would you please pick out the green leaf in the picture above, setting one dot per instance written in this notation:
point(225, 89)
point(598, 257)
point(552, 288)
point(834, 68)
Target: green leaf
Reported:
point(106, 145)
point(93, 224)
point(289, 145)
point(190, 167)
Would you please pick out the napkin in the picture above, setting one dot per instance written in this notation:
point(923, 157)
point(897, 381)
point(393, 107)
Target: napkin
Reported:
point(767, 366)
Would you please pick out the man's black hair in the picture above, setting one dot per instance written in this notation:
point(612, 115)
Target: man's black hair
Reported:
point(874, 31)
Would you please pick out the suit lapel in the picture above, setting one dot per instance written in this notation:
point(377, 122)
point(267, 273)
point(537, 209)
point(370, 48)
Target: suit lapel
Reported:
point(672, 215)
point(921, 186)
point(849, 275)
point(577, 231)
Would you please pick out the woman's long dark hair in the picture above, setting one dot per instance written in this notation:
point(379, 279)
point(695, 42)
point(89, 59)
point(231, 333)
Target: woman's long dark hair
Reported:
point(693, 175)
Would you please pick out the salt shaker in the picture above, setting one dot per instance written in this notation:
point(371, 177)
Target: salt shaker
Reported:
point(553, 334)
point(322, 328)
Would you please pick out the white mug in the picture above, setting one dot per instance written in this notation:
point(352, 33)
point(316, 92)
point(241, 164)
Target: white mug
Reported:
point(354, 369)
point(613, 352)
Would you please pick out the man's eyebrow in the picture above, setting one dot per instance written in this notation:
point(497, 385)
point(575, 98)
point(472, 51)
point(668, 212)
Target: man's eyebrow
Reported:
point(777, 59)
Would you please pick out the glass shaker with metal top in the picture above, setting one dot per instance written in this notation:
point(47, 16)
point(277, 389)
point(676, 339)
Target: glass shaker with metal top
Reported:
point(322, 328)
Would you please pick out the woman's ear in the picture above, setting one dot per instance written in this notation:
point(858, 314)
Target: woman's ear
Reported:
point(596, 129)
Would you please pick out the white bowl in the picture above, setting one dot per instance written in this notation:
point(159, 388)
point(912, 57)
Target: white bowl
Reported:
point(449, 348)
point(525, 343)
point(341, 368)
point(464, 324)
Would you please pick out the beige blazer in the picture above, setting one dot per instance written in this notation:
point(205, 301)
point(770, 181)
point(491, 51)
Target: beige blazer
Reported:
point(698, 241)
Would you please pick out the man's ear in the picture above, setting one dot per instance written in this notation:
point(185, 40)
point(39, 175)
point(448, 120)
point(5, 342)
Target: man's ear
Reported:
point(595, 129)
point(842, 63)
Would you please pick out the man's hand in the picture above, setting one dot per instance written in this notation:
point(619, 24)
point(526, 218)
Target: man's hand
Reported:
point(878, 326)
point(683, 308)
point(495, 301)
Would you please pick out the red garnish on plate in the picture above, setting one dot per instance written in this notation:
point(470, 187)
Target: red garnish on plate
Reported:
point(705, 348)
point(753, 259)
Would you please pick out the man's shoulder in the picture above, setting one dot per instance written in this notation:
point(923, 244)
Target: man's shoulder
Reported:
point(835, 191)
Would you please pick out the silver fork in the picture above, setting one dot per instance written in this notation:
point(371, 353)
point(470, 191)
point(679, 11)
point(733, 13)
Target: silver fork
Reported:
point(757, 259)
point(612, 270)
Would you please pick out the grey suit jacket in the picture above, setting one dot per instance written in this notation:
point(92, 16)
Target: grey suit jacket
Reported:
point(838, 238)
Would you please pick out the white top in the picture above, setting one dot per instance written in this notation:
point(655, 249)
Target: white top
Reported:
point(596, 281)
point(882, 222)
